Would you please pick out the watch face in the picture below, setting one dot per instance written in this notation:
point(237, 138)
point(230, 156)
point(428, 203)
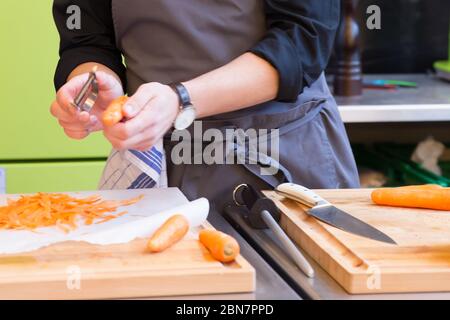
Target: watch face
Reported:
point(185, 118)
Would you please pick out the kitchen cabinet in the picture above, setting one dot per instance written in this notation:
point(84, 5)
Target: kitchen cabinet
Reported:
point(28, 133)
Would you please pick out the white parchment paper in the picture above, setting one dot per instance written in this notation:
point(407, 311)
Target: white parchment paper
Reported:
point(138, 223)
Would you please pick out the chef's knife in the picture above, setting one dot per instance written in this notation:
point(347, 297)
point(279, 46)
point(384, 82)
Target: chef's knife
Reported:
point(326, 212)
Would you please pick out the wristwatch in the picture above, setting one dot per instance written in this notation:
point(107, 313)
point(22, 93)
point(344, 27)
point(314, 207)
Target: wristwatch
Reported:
point(187, 113)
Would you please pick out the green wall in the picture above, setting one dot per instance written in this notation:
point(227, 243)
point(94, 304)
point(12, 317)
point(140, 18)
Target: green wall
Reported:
point(28, 57)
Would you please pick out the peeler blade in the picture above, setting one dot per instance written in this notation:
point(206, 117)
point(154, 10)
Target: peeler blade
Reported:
point(85, 99)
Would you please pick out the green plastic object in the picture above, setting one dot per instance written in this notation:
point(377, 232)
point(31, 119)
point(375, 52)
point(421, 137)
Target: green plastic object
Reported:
point(28, 58)
point(443, 67)
point(398, 83)
point(414, 173)
point(394, 161)
point(366, 157)
point(51, 176)
point(445, 167)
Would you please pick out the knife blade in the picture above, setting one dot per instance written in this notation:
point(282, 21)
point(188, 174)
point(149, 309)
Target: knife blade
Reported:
point(329, 214)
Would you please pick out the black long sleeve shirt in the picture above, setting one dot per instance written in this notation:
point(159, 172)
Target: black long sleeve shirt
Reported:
point(298, 42)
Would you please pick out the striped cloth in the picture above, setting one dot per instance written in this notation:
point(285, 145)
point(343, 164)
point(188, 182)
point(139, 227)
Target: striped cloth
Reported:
point(131, 169)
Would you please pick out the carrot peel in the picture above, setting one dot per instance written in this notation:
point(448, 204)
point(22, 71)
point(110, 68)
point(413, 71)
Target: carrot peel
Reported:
point(54, 209)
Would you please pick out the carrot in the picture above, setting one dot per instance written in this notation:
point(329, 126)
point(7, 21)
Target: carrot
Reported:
point(113, 114)
point(430, 197)
point(423, 187)
point(60, 210)
point(172, 231)
point(221, 246)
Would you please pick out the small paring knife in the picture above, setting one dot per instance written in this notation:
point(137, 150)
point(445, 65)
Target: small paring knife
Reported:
point(326, 212)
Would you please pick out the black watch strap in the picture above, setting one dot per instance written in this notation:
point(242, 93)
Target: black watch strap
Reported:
point(183, 94)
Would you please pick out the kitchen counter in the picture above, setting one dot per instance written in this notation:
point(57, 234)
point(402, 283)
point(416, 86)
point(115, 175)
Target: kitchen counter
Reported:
point(429, 102)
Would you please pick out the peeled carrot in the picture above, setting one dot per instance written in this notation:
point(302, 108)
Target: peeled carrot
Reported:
point(221, 246)
point(54, 209)
point(428, 197)
point(172, 231)
point(423, 187)
point(114, 114)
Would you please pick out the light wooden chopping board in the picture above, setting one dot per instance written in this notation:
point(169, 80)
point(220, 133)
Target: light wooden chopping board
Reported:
point(79, 270)
point(419, 263)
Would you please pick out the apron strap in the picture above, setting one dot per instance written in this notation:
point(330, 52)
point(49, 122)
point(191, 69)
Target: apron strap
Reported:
point(260, 163)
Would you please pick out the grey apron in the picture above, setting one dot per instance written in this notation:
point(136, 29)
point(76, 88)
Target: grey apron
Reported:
point(176, 40)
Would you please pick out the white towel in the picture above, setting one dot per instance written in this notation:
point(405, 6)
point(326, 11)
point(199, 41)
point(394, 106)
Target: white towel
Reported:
point(131, 169)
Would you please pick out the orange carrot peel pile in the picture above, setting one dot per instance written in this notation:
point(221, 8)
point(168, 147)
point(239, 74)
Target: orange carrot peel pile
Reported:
point(55, 209)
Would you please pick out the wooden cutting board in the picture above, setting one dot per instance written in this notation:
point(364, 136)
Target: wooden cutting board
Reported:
point(419, 263)
point(74, 270)
point(79, 270)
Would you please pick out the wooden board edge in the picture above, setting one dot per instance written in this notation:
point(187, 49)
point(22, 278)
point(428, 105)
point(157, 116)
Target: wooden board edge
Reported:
point(135, 286)
point(312, 225)
point(422, 283)
point(314, 251)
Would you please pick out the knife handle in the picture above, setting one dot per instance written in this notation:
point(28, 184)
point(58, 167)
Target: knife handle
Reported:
point(300, 194)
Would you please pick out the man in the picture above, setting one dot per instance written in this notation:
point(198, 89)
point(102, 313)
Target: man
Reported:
point(242, 64)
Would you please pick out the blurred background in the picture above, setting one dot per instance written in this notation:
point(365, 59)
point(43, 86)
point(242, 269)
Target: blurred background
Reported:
point(414, 34)
point(35, 155)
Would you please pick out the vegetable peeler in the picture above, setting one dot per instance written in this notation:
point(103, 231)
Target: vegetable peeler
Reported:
point(88, 94)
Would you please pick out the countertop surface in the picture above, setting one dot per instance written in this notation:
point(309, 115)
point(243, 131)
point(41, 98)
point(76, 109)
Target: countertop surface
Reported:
point(430, 101)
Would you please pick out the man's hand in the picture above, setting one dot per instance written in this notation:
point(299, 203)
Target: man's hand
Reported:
point(76, 124)
point(150, 113)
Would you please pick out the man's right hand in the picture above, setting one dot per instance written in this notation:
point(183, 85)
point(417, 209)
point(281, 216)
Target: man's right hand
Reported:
point(76, 124)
